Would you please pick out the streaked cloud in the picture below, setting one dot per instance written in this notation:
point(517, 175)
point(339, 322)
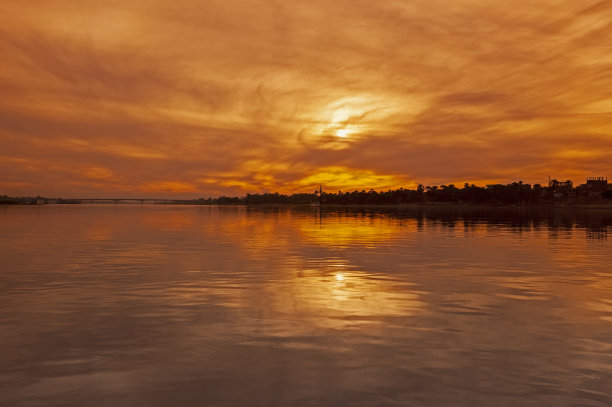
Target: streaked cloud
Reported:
point(199, 98)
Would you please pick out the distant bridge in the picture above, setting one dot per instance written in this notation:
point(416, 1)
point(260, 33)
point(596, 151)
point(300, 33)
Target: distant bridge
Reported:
point(141, 201)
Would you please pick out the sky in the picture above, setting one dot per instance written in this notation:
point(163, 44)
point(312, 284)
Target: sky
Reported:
point(193, 98)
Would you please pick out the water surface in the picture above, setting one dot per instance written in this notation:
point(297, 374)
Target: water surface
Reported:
point(231, 306)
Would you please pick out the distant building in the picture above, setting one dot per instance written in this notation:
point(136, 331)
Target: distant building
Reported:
point(594, 186)
point(599, 184)
point(560, 189)
point(553, 183)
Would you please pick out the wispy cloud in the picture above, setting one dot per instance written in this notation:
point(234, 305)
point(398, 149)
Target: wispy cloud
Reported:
point(197, 98)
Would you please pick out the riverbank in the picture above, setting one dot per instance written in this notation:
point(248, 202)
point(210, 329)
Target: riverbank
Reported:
point(599, 205)
point(442, 205)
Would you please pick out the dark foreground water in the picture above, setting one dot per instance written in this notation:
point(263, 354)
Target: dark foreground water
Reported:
point(229, 306)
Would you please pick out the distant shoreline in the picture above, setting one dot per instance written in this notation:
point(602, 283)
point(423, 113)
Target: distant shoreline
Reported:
point(602, 206)
point(596, 193)
point(429, 205)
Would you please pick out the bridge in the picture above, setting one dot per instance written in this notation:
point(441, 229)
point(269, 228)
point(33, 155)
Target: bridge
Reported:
point(116, 201)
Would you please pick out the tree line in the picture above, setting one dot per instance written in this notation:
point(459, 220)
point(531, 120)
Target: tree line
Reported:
point(516, 193)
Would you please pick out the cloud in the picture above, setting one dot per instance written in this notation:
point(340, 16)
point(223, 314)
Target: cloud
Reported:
point(199, 98)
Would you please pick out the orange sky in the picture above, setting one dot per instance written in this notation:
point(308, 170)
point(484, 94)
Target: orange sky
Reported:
point(191, 98)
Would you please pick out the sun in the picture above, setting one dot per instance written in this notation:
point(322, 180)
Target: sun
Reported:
point(343, 133)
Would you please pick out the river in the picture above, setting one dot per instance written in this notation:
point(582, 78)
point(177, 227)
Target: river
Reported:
point(145, 305)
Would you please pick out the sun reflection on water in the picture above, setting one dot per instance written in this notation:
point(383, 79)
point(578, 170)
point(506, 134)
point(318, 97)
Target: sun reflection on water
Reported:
point(359, 231)
point(338, 295)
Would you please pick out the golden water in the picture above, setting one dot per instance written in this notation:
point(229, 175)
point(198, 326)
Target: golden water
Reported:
point(232, 306)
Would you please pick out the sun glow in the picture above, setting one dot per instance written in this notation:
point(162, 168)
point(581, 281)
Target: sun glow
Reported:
point(344, 121)
point(340, 119)
point(342, 115)
point(343, 133)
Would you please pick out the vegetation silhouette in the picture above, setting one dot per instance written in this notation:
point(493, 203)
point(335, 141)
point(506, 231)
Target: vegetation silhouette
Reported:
point(594, 191)
point(516, 193)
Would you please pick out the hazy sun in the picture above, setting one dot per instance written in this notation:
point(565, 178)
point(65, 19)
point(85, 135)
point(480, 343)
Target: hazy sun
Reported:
point(343, 133)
